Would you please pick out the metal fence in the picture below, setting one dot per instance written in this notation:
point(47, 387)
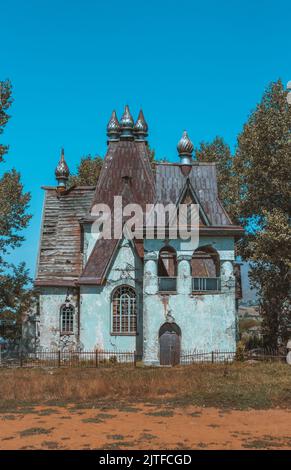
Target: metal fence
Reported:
point(99, 359)
point(203, 357)
point(190, 357)
point(70, 359)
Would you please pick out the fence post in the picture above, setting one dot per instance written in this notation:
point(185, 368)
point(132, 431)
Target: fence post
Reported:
point(212, 357)
point(96, 359)
point(21, 359)
point(134, 358)
point(59, 358)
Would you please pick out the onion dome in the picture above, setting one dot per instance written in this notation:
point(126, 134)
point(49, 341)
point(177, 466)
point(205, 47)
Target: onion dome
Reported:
point(113, 127)
point(62, 171)
point(126, 124)
point(141, 127)
point(185, 149)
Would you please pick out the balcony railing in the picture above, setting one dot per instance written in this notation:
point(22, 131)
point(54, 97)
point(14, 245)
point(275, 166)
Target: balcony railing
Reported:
point(167, 284)
point(206, 284)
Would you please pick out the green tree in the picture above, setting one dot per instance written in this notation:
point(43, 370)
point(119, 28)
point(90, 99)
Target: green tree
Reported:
point(261, 186)
point(5, 103)
point(14, 280)
point(219, 152)
point(88, 172)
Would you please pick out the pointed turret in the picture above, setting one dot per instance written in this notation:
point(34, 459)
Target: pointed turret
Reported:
point(113, 128)
point(141, 128)
point(126, 124)
point(185, 149)
point(62, 171)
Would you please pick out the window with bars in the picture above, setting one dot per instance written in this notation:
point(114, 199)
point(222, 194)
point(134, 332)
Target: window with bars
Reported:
point(124, 310)
point(67, 319)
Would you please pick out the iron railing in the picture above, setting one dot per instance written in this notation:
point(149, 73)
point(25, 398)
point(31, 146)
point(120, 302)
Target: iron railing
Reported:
point(70, 359)
point(101, 359)
point(206, 284)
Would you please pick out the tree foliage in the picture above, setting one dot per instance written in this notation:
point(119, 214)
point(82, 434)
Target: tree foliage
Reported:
point(15, 297)
point(261, 185)
point(88, 172)
point(254, 186)
point(5, 103)
point(219, 152)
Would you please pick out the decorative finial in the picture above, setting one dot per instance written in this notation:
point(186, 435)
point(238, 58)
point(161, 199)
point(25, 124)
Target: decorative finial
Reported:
point(62, 171)
point(185, 149)
point(141, 128)
point(126, 124)
point(113, 128)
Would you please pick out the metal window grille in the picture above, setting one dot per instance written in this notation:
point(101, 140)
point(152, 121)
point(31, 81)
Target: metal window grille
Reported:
point(67, 319)
point(124, 310)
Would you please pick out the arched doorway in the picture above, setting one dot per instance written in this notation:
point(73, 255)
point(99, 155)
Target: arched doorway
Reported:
point(170, 344)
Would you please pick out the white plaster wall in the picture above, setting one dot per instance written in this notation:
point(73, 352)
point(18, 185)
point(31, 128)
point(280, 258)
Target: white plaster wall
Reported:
point(207, 321)
point(95, 305)
point(50, 301)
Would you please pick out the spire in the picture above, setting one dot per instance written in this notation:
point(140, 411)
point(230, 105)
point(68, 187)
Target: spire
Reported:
point(185, 149)
point(141, 128)
point(62, 171)
point(113, 128)
point(126, 124)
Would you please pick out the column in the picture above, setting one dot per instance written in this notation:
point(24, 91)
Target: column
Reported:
point(184, 279)
point(150, 318)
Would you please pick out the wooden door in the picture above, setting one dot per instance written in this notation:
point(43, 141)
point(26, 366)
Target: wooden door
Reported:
point(169, 348)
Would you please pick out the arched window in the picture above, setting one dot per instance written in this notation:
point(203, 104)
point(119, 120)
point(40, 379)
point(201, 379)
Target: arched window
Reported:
point(205, 267)
point(124, 310)
point(205, 262)
point(67, 319)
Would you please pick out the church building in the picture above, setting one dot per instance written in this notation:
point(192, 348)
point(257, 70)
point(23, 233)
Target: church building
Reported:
point(151, 296)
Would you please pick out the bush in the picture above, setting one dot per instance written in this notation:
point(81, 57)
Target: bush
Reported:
point(240, 351)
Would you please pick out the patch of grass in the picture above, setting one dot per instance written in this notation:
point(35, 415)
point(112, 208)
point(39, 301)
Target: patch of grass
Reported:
point(116, 437)
point(35, 431)
point(52, 445)
point(92, 420)
point(48, 412)
point(259, 386)
point(119, 445)
point(195, 414)
point(105, 416)
point(164, 413)
point(147, 436)
point(99, 418)
point(202, 445)
point(129, 409)
point(267, 442)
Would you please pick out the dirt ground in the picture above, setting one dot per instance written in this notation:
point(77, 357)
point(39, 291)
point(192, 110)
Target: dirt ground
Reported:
point(144, 426)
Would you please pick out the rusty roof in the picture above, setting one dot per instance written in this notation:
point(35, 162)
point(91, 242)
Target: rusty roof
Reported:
point(171, 180)
point(126, 171)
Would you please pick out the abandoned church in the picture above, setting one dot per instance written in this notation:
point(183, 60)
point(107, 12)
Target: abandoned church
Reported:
point(146, 295)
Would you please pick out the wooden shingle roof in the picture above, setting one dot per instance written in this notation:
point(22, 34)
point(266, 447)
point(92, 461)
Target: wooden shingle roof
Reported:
point(126, 171)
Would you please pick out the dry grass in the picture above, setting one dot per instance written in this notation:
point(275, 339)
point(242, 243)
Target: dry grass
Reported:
point(239, 385)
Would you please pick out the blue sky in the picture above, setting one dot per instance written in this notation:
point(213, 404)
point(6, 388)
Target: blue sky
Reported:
point(200, 66)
